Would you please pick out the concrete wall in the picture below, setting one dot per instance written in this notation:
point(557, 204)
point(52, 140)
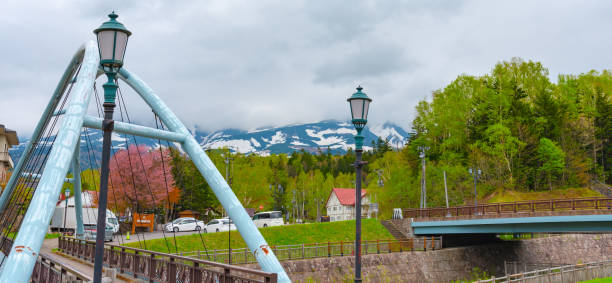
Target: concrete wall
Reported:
point(453, 263)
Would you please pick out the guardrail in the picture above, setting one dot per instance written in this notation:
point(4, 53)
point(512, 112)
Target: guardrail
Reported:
point(162, 267)
point(46, 270)
point(318, 250)
point(561, 274)
point(512, 207)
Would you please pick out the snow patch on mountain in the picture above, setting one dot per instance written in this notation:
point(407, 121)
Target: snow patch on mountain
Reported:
point(277, 138)
point(255, 142)
point(242, 146)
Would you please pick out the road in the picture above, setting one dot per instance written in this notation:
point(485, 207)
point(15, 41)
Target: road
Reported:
point(119, 239)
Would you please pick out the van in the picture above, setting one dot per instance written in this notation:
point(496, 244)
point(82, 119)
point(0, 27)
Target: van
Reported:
point(268, 218)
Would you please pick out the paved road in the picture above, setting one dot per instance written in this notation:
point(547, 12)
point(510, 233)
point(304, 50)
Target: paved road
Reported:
point(119, 239)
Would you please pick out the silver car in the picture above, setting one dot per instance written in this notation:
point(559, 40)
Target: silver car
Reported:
point(91, 232)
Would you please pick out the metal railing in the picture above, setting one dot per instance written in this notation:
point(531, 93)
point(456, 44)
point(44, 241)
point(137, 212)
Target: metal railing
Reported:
point(46, 270)
point(318, 250)
point(162, 267)
point(561, 274)
point(513, 207)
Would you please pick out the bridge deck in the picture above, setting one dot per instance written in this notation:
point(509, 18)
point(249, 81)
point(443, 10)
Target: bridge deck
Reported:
point(543, 224)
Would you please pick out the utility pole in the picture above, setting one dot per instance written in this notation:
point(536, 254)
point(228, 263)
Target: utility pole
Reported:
point(422, 150)
point(380, 180)
point(445, 189)
point(476, 173)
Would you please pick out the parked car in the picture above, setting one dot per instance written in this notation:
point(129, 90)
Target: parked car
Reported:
point(268, 218)
point(219, 225)
point(91, 232)
point(184, 224)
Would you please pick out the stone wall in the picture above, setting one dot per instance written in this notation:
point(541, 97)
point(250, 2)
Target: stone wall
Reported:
point(453, 263)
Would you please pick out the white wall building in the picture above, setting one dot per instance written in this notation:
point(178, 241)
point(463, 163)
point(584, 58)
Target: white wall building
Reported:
point(341, 204)
point(8, 138)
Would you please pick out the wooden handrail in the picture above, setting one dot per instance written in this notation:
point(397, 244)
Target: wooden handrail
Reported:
point(171, 257)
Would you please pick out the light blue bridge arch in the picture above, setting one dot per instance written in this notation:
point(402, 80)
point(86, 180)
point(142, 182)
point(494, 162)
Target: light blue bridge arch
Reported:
point(24, 252)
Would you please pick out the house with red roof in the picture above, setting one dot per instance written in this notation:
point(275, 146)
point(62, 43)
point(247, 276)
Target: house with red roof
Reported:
point(341, 204)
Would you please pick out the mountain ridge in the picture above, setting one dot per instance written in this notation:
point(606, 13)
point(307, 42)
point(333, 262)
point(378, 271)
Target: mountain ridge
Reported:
point(332, 135)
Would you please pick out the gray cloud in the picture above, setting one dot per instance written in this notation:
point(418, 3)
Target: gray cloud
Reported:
point(248, 64)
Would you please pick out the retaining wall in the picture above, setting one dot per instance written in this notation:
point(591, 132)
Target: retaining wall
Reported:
point(453, 263)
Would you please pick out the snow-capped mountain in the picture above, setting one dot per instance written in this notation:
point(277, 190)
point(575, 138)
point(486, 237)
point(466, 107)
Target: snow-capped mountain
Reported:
point(333, 135)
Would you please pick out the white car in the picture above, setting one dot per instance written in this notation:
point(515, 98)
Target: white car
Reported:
point(268, 218)
point(219, 225)
point(184, 224)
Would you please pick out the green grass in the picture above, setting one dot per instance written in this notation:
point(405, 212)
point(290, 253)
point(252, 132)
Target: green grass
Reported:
point(600, 280)
point(279, 235)
point(52, 235)
point(510, 196)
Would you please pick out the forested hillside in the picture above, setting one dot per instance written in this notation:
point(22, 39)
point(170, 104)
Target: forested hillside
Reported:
point(525, 133)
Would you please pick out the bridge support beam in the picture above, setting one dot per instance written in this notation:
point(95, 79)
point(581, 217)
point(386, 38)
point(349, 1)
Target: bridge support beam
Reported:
point(251, 235)
point(131, 129)
point(38, 130)
point(24, 252)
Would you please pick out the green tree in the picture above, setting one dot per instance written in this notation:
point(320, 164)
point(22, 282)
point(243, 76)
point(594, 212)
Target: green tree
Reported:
point(552, 158)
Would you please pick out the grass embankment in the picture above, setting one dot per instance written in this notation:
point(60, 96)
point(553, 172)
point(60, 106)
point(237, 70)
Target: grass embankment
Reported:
point(600, 280)
point(510, 196)
point(275, 236)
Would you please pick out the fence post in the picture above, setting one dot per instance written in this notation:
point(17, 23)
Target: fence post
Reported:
point(196, 275)
point(303, 253)
point(226, 272)
point(341, 249)
point(552, 206)
point(424, 243)
point(328, 249)
point(505, 269)
point(121, 260)
point(171, 271)
point(400, 245)
point(411, 244)
point(151, 267)
point(378, 246)
point(246, 255)
point(433, 242)
point(135, 264)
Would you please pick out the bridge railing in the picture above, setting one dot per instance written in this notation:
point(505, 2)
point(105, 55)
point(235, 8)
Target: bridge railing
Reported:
point(512, 207)
point(318, 250)
point(561, 274)
point(46, 270)
point(162, 267)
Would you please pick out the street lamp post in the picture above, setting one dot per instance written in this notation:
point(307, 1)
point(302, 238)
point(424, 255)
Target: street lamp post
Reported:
point(476, 173)
point(359, 103)
point(66, 195)
point(112, 41)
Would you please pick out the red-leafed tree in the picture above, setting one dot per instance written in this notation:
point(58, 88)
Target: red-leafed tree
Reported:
point(138, 177)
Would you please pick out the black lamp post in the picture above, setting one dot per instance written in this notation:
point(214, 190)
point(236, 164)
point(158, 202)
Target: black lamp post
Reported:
point(360, 104)
point(112, 41)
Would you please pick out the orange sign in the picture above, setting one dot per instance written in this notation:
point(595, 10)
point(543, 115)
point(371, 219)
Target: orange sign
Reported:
point(143, 220)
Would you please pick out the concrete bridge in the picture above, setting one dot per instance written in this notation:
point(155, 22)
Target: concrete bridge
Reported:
point(480, 224)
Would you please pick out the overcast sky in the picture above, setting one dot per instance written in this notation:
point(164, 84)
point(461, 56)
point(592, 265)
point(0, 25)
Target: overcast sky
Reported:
point(251, 64)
